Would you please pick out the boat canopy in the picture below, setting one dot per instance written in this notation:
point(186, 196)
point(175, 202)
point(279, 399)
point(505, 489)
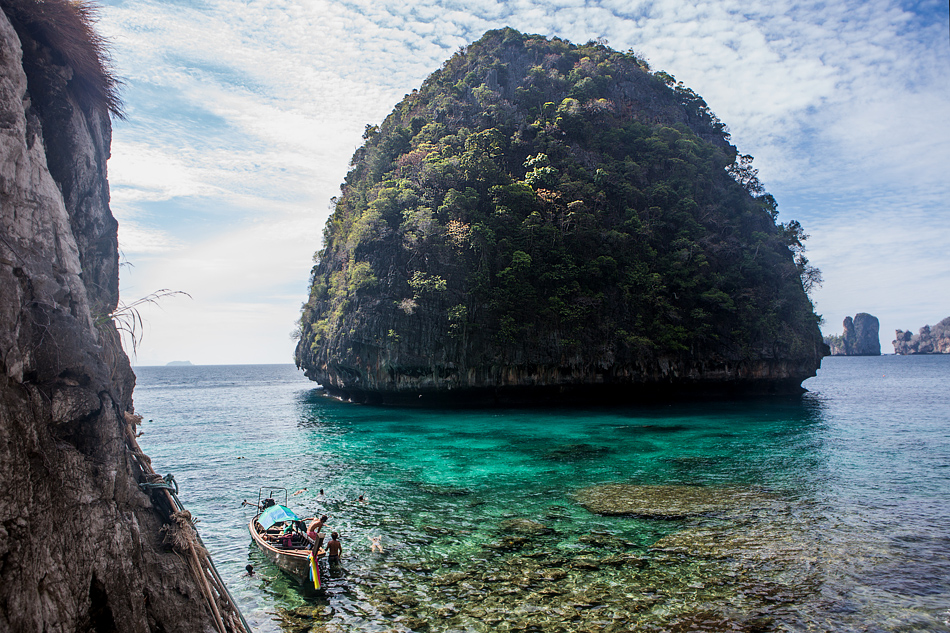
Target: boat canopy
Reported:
point(276, 514)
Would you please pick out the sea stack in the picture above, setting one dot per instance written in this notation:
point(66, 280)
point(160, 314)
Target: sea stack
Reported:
point(545, 221)
point(80, 543)
point(860, 337)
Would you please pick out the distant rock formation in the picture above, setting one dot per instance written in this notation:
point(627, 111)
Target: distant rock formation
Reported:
point(930, 340)
point(179, 363)
point(861, 337)
point(81, 547)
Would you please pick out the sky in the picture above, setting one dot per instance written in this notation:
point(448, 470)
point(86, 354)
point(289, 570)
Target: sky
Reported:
point(242, 116)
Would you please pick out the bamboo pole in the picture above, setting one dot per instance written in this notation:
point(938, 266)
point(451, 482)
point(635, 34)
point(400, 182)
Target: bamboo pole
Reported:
point(213, 589)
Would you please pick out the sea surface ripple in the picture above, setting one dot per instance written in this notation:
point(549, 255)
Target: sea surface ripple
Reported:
point(827, 512)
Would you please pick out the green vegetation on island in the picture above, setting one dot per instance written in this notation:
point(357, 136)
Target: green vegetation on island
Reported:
point(541, 213)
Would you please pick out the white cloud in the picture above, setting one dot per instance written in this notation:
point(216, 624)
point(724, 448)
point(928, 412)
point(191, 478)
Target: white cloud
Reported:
point(245, 288)
point(143, 171)
point(135, 240)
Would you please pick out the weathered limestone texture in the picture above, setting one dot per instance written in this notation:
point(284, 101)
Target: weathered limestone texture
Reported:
point(861, 337)
point(80, 545)
point(929, 340)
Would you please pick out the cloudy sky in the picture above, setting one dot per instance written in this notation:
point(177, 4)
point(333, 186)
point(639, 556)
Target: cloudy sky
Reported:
point(242, 116)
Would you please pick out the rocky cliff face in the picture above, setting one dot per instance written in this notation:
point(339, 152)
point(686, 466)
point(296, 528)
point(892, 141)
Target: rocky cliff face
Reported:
point(935, 340)
point(80, 544)
point(860, 337)
point(543, 220)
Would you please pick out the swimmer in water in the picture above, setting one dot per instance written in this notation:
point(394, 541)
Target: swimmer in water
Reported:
point(299, 492)
point(375, 540)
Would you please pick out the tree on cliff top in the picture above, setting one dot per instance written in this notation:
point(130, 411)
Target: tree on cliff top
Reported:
point(536, 201)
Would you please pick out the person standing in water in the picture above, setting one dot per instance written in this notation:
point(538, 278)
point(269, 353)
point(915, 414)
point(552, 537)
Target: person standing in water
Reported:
point(334, 549)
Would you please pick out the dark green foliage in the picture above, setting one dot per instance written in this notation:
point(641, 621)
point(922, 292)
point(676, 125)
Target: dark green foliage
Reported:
point(541, 201)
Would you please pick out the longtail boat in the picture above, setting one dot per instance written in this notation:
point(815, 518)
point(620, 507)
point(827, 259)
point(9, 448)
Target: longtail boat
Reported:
point(282, 537)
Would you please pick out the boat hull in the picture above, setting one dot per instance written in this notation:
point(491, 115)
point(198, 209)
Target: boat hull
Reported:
point(293, 562)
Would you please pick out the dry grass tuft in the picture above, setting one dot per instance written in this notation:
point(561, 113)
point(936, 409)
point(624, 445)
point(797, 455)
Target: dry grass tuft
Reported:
point(66, 26)
point(126, 317)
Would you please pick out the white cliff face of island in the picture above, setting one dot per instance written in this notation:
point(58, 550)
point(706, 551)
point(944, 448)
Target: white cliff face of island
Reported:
point(80, 542)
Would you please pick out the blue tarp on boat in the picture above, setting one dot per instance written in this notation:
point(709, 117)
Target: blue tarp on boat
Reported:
point(276, 514)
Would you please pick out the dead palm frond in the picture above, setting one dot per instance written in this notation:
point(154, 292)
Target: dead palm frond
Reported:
point(127, 318)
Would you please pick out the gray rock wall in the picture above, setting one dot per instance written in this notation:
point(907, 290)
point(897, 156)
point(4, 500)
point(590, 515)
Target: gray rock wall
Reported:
point(929, 340)
point(861, 337)
point(80, 544)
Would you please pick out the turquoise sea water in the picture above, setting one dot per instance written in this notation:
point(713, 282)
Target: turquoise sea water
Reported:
point(835, 507)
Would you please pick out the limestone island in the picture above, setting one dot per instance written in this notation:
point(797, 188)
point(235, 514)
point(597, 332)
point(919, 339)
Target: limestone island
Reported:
point(179, 363)
point(929, 340)
point(861, 337)
point(545, 221)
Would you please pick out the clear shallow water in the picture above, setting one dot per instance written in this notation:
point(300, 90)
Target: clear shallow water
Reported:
point(835, 509)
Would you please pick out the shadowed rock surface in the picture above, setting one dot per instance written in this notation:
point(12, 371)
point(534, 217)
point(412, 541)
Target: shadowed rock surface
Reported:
point(80, 543)
point(935, 340)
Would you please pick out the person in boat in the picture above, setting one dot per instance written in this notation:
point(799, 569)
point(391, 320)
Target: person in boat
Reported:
point(334, 549)
point(316, 526)
point(315, 532)
point(286, 537)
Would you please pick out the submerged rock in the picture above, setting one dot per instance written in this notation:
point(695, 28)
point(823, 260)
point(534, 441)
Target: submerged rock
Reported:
point(605, 540)
point(440, 490)
point(666, 502)
point(747, 540)
point(524, 526)
point(575, 452)
point(509, 543)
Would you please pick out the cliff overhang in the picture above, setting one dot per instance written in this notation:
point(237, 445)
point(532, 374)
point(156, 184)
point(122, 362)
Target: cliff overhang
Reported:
point(667, 379)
